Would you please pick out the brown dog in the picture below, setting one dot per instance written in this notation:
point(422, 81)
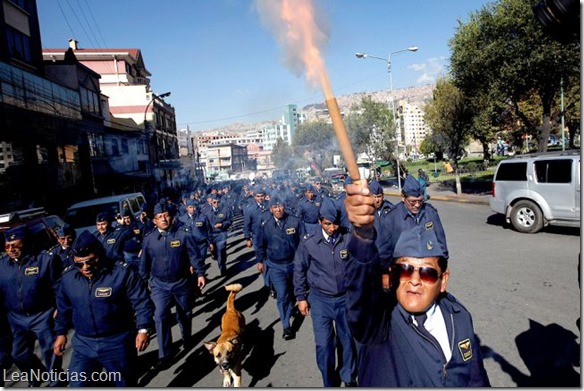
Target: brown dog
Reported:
point(227, 350)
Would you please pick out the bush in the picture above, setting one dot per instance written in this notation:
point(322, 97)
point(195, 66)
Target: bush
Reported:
point(471, 167)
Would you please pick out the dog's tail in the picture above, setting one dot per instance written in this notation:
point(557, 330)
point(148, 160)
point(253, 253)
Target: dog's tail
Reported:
point(233, 289)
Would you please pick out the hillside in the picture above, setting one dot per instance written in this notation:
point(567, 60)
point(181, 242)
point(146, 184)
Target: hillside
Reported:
point(413, 95)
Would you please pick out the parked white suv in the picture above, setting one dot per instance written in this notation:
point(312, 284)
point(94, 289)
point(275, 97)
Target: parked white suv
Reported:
point(537, 190)
point(81, 215)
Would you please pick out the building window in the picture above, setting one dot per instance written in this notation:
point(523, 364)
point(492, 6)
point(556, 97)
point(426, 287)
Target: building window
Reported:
point(18, 45)
point(89, 101)
point(115, 147)
point(125, 148)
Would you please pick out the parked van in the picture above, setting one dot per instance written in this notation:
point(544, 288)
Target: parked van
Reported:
point(82, 215)
point(536, 190)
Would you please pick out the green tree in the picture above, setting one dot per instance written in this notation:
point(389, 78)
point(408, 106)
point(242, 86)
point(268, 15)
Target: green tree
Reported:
point(372, 129)
point(449, 116)
point(503, 54)
point(282, 155)
point(315, 142)
point(433, 143)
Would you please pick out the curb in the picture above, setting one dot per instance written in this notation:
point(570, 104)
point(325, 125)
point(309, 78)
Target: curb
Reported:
point(447, 198)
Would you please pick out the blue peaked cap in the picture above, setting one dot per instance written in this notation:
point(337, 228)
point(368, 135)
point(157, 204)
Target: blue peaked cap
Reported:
point(411, 187)
point(329, 210)
point(418, 243)
point(375, 187)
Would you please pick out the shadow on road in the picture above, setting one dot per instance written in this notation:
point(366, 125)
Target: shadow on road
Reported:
point(259, 350)
point(499, 219)
point(550, 354)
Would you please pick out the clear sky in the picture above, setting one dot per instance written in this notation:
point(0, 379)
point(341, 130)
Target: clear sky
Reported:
point(223, 65)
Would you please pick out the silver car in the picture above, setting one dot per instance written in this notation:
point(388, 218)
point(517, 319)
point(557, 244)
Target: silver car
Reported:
point(537, 190)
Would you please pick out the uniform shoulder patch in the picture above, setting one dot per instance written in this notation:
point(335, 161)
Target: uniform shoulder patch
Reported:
point(69, 268)
point(308, 235)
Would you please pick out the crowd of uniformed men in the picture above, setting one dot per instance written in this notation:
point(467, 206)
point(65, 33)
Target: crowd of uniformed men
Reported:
point(116, 286)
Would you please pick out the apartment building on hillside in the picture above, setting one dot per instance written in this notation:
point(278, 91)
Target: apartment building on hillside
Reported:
point(413, 125)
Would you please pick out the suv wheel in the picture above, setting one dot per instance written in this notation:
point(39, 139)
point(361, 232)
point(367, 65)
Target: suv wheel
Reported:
point(526, 217)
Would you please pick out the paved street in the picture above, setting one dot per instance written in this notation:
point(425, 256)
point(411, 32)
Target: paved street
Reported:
point(522, 291)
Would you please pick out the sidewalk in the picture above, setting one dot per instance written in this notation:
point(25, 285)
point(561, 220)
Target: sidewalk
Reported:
point(437, 192)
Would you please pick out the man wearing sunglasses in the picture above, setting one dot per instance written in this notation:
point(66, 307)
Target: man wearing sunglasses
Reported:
point(28, 286)
point(108, 306)
point(418, 335)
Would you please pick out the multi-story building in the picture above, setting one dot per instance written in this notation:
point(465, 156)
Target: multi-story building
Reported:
point(226, 159)
point(413, 125)
point(45, 118)
point(125, 81)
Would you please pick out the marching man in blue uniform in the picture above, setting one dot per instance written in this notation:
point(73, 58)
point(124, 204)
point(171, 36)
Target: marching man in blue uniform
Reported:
point(411, 212)
point(108, 306)
point(65, 236)
point(112, 239)
point(419, 335)
point(169, 260)
point(319, 286)
point(28, 287)
point(198, 225)
point(220, 218)
point(278, 240)
point(307, 209)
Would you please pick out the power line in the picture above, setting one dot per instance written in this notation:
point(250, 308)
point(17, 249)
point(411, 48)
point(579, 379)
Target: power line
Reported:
point(96, 24)
point(81, 24)
point(88, 24)
point(66, 20)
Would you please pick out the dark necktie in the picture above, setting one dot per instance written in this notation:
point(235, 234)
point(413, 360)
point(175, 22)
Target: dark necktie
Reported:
point(279, 223)
point(421, 319)
point(332, 240)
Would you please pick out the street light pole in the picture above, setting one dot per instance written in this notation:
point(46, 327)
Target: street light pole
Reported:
point(388, 61)
point(147, 133)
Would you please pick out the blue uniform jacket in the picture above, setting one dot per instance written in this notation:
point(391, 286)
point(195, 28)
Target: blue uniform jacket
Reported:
point(169, 258)
point(252, 220)
point(198, 225)
point(30, 286)
point(320, 266)
point(308, 211)
point(113, 241)
point(276, 244)
point(392, 353)
point(114, 300)
point(222, 215)
point(65, 254)
point(399, 219)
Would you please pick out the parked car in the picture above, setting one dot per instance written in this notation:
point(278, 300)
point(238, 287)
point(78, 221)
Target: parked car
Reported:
point(82, 215)
point(41, 226)
point(536, 190)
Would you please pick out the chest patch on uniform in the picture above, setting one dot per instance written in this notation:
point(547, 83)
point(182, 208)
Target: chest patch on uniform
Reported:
point(111, 241)
point(137, 231)
point(317, 203)
point(220, 215)
point(290, 231)
point(31, 271)
point(175, 243)
point(343, 254)
point(199, 223)
point(429, 225)
point(103, 292)
point(465, 349)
